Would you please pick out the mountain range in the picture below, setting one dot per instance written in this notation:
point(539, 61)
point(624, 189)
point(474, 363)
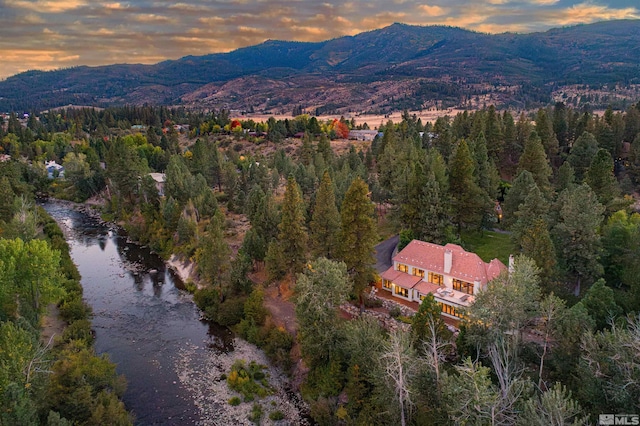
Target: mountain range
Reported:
point(397, 67)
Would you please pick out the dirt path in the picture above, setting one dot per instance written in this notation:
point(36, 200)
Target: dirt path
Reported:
point(282, 311)
point(52, 324)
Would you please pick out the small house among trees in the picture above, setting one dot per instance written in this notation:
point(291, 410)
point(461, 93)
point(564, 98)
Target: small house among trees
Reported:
point(54, 169)
point(160, 180)
point(453, 275)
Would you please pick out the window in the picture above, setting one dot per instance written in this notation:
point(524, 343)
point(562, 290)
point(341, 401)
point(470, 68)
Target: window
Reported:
point(402, 291)
point(403, 268)
point(435, 278)
point(386, 284)
point(463, 286)
point(418, 272)
point(448, 309)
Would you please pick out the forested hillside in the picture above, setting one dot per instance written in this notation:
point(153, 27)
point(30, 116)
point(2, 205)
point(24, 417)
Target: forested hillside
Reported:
point(385, 70)
point(256, 208)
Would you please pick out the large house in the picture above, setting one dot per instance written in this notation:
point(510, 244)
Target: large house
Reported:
point(453, 275)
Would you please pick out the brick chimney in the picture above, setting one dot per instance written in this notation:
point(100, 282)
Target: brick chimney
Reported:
point(448, 260)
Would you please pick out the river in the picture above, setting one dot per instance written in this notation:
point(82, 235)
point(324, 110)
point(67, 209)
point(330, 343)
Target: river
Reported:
point(142, 320)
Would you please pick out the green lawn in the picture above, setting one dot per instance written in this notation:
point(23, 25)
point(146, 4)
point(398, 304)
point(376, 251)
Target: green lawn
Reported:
point(489, 245)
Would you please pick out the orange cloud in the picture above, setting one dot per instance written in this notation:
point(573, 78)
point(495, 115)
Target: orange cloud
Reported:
point(432, 10)
point(46, 6)
point(588, 12)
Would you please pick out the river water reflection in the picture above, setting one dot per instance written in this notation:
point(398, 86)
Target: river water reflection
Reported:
point(141, 318)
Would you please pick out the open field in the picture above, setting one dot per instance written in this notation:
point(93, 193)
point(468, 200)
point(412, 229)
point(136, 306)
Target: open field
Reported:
point(373, 121)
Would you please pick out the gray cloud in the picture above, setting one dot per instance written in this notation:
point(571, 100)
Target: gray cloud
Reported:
point(48, 34)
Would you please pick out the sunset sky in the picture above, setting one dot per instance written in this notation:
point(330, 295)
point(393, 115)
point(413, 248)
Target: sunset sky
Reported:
point(49, 34)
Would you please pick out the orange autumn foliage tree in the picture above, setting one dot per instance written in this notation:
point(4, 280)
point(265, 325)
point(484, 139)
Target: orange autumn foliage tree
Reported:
point(341, 129)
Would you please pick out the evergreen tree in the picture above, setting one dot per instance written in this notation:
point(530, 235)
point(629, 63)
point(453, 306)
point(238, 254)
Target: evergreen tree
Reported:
point(493, 134)
point(534, 160)
point(576, 234)
point(325, 221)
point(544, 129)
point(6, 200)
point(512, 149)
point(484, 170)
point(442, 138)
point(634, 161)
point(424, 212)
point(536, 244)
point(534, 207)
point(561, 126)
point(212, 255)
point(292, 236)
point(179, 181)
point(582, 153)
point(566, 177)
point(320, 291)
point(358, 235)
point(517, 194)
point(468, 201)
point(601, 179)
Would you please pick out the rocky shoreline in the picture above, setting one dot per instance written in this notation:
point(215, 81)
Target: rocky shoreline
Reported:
point(204, 378)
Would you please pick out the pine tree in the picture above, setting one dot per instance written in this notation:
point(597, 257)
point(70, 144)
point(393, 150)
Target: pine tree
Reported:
point(512, 150)
point(468, 201)
point(535, 160)
point(358, 235)
point(577, 236)
point(544, 129)
point(325, 222)
point(485, 169)
point(566, 177)
point(424, 212)
point(536, 244)
point(582, 153)
point(519, 191)
point(561, 126)
point(601, 179)
point(493, 134)
point(534, 207)
point(6, 200)
point(292, 237)
point(212, 255)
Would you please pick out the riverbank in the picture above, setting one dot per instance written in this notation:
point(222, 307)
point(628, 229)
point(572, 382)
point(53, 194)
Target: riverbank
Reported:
point(198, 362)
point(205, 379)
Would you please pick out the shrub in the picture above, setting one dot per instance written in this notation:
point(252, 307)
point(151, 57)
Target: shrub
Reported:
point(74, 309)
point(79, 330)
point(256, 413)
point(278, 346)
point(234, 401)
point(404, 319)
point(276, 415)
point(370, 302)
point(249, 380)
point(231, 311)
point(206, 297)
point(395, 312)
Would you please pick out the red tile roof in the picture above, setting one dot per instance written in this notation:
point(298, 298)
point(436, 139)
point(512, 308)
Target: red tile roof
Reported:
point(400, 278)
point(465, 266)
point(426, 288)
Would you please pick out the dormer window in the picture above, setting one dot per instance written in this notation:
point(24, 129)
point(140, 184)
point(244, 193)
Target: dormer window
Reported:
point(403, 268)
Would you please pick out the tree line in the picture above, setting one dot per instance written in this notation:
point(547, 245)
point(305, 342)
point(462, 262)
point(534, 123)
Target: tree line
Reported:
point(528, 347)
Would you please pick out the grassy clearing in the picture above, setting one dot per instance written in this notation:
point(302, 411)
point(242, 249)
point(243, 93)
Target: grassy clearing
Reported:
point(489, 245)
